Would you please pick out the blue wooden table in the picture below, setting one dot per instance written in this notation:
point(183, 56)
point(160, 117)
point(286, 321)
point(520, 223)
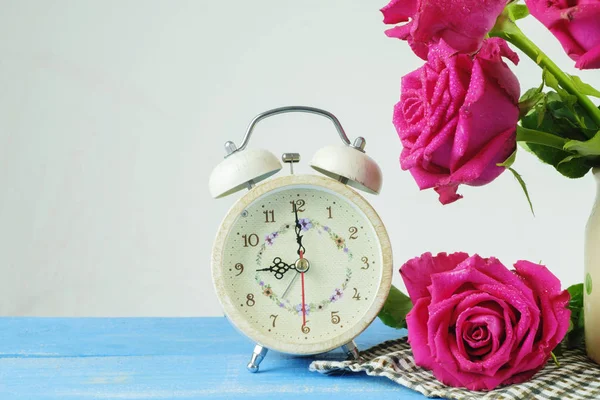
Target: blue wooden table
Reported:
point(165, 358)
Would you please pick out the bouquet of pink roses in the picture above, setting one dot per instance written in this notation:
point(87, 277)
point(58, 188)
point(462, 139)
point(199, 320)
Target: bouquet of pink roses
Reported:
point(474, 323)
point(461, 115)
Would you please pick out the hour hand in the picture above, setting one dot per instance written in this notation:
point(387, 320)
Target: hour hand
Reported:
point(278, 268)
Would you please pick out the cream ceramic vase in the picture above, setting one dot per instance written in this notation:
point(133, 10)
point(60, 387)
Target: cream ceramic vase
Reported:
point(591, 282)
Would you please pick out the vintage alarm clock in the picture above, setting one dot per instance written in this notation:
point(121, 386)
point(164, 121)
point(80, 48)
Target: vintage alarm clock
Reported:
point(301, 264)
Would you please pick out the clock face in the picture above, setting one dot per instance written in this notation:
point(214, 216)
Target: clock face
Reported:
point(302, 266)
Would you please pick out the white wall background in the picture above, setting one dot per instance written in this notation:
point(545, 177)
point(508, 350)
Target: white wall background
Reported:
point(113, 113)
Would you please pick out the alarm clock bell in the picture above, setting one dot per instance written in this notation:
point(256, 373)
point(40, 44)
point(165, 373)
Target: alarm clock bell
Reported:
point(242, 169)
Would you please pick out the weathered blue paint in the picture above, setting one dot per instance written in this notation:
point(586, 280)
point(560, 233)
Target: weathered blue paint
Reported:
point(165, 358)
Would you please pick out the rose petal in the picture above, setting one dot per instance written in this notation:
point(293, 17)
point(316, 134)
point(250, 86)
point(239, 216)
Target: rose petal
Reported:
point(491, 58)
point(575, 25)
point(526, 327)
point(589, 60)
point(472, 375)
point(555, 314)
point(416, 320)
point(483, 163)
point(497, 271)
point(416, 273)
point(398, 11)
point(447, 194)
point(502, 341)
point(472, 270)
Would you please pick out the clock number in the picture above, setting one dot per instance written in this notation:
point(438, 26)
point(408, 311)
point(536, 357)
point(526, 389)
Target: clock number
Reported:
point(356, 294)
point(269, 216)
point(239, 267)
point(335, 319)
point(305, 329)
point(251, 240)
point(298, 205)
point(365, 260)
point(250, 300)
point(274, 319)
point(353, 232)
point(329, 209)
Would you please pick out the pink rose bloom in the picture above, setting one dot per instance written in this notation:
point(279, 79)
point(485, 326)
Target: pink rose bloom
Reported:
point(461, 23)
point(476, 324)
point(576, 24)
point(457, 118)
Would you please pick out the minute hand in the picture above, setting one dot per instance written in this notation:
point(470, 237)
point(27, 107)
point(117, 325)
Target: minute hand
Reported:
point(298, 228)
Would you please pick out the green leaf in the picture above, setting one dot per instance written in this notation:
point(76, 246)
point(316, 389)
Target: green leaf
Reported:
point(575, 333)
point(526, 147)
point(553, 116)
point(584, 88)
point(395, 309)
point(533, 92)
point(517, 11)
point(524, 187)
point(576, 167)
point(540, 137)
point(568, 159)
point(585, 148)
point(550, 80)
point(529, 99)
point(532, 95)
point(541, 109)
point(509, 161)
point(576, 292)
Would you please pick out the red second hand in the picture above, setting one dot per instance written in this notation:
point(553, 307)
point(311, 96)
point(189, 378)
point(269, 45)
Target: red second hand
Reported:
point(303, 301)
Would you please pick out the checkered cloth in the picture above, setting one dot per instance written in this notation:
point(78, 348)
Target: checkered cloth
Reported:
point(576, 378)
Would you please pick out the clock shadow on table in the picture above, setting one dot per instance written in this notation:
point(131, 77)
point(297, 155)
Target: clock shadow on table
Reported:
point(289, 374)
point(283, 366)
point(277, 362)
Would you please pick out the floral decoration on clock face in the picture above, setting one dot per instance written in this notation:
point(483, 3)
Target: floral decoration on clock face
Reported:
point(314, 306)
point(285, 231)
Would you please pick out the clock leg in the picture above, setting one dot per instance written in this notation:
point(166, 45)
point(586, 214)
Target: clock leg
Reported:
point(257, 356)
point(351, 350)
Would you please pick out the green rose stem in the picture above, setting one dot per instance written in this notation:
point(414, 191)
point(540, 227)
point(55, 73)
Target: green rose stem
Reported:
point(506, 29)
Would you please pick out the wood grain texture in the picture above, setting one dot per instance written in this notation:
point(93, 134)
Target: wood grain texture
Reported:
point(220, 279)
point(166, 358)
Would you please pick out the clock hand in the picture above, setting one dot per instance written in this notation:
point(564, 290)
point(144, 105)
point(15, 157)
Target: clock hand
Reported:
point(287, 289)
point(279, 268)
point(303, 296)
point(298, 229)
point(302, 265)
point(289, 286)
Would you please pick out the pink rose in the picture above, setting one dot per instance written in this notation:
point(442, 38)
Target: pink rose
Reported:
point(461, 23)
point(476, 324)
point(576, 24)
point(457, 118)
